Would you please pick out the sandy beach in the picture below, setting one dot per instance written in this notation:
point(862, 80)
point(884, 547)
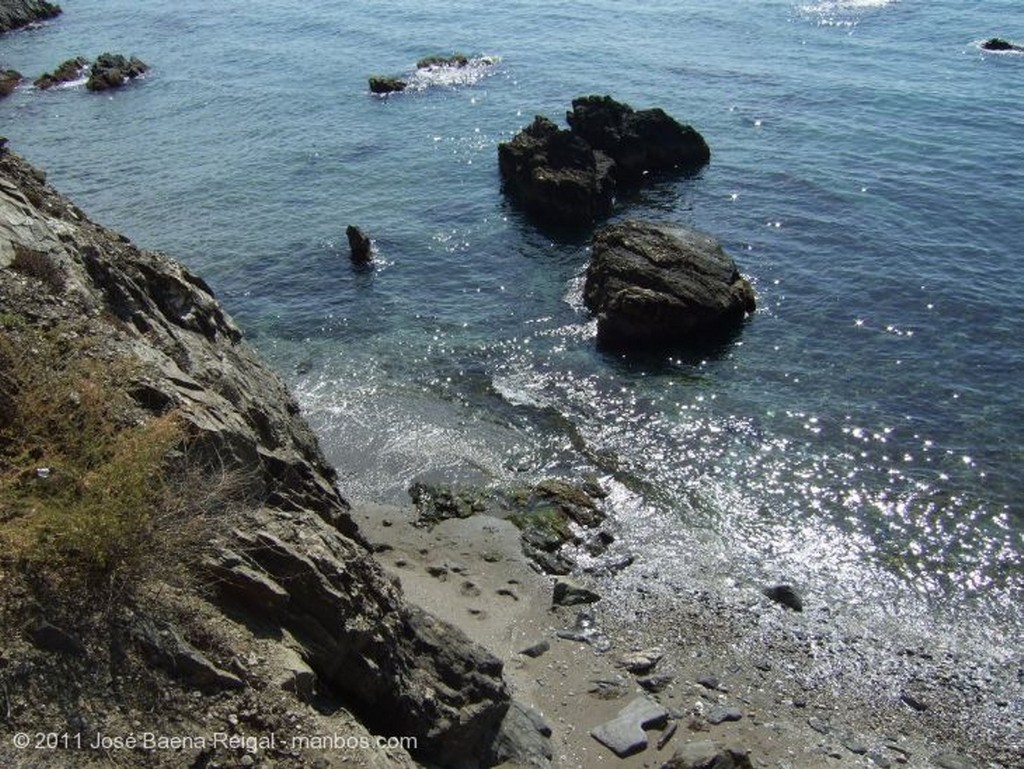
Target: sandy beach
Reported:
point(719, 662)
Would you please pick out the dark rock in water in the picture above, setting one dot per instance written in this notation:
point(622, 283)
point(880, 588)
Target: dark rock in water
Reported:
point(9, 79)
point(523, 740)
point(455, 60)
point(65, 73)
point(998, 44)
point(570, 177)
point(786, 595)
point(20, 13)
point(360, 248)
point(555, 175)
point(112, 70)
point(653, 284)
point(705, 754)
point(386, 84)
point(638, 142)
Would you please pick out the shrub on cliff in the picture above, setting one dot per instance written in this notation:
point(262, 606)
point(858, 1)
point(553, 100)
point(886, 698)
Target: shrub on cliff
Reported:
point(94, 499)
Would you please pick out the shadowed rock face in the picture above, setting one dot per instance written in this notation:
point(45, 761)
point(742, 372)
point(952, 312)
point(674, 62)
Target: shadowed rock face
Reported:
point(294, 562)
point(570, 177)
point(653, 284)
point(555, 174)
point(20, 13)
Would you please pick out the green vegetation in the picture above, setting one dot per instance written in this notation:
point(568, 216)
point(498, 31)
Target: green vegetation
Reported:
point(88, 502)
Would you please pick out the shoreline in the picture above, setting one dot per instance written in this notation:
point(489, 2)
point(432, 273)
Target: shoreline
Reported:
point(720, 659)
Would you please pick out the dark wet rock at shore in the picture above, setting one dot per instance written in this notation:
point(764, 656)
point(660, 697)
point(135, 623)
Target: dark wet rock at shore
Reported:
point(15, 14)
point(359, 245)
point(9, 80)
point(785, 595)
point(570, 177)
point(68, 71)
point(655, 284)
point(112, 70)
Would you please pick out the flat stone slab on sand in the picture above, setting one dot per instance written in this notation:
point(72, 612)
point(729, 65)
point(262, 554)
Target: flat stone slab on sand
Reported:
point(624, 735)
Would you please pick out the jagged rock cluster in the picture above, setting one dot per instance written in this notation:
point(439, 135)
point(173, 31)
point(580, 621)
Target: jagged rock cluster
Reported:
point(20, 13)
point(570, 177)
point(647, 284)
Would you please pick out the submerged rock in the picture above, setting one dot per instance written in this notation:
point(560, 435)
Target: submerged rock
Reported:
point(652, 284)
point(455, 60)
point(112, 70)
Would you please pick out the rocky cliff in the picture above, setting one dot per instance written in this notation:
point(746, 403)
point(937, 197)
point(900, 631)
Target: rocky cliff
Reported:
point(291, 565)
point(20, 13)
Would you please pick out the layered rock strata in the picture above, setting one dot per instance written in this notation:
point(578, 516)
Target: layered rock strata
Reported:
point(294, 563)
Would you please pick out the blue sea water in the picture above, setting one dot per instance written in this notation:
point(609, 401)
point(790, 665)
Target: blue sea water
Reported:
point(861, 437)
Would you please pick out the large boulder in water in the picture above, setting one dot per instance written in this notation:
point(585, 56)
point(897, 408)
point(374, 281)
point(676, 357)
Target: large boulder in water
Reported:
point(555, 175)
point(570, 177)
point(656, 284)
point(638, 141)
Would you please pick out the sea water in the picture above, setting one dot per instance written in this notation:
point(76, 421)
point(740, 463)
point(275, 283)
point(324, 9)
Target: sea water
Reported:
point(861, 437)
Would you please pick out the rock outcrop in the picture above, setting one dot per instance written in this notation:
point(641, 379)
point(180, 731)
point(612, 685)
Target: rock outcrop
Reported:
point(359, 245)
point(654, 284)
point(112, 70)
point(570, 177)
point(9, 80)
point(293, 564)
point(20, 13)
point(69, 70)
point(999, 44)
